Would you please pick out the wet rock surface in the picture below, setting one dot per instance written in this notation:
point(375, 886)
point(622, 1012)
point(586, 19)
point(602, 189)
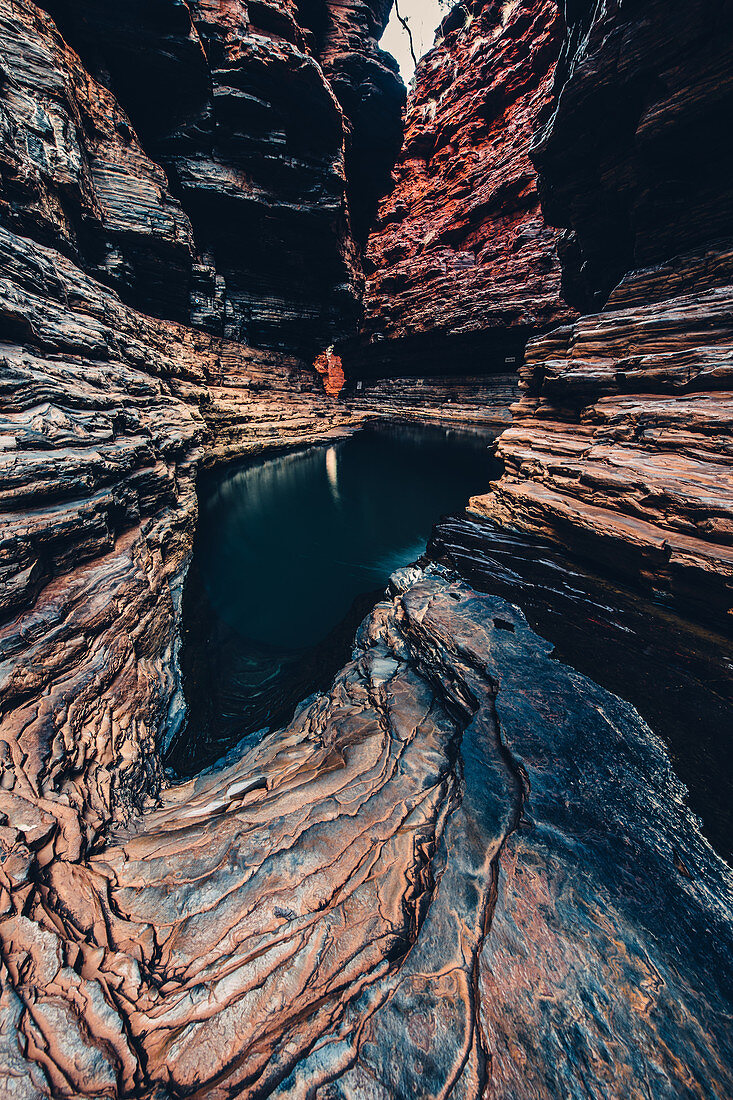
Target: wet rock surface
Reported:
point(369, 900)
point(655, 653)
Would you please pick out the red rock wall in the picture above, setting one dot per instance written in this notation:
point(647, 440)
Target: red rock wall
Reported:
point(631, 161)
point(114, 389)
point(166, 194)
point(462, 265)
point(619, 446)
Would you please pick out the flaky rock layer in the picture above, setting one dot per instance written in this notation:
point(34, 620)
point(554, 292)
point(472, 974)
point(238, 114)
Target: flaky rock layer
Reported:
point(462, 265)
point(619, 447)
point(115, 386)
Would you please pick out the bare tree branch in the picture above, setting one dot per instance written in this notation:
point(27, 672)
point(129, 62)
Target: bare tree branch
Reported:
point(406, 27)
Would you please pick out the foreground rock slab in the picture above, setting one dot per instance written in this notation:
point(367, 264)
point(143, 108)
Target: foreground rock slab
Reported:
point(464, 870)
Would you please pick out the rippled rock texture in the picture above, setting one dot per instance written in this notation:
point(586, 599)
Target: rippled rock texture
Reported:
point(115, 388)
point(113, 391)
point(620, 447)
point(465, 867)
point(463, 267)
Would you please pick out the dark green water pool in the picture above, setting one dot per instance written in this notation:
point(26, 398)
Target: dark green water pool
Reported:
point(291, 552)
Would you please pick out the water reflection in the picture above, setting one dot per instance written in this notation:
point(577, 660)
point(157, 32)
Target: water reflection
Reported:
point(332, 473)
point(291, 552)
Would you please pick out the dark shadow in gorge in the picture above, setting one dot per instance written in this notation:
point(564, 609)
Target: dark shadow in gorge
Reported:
point(291, 553)
point(677, 673)
point(435, 354)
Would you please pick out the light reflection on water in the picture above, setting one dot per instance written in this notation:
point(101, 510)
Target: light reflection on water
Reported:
point(291, 552)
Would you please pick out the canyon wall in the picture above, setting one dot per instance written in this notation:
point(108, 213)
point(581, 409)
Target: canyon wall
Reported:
point(564, 167)
point(176, 245)
point(184, 146)
point(462, 266)
point(479, 403)
point(234, 101)
point(620, 446)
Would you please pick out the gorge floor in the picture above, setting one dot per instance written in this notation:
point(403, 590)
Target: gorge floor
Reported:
point(464, 866)
point(293, 551)
point(556, 830)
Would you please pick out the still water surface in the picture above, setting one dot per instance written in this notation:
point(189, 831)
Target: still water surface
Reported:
point(291, 553)
point(293, 550)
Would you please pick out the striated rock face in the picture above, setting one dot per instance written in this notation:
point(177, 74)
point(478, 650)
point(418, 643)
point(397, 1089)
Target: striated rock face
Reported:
point(231, 99)
point(397, 870)
point(372, 96)
point(105, 415)
point(620, 447)
point(477, 403)
point(463, 267)
point(115, 387)
point(620, 444)
point(110, 397)
point(74, 176)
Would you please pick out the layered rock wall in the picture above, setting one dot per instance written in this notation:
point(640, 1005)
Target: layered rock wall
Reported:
point(74, 175)
point(106, 415)
point(115, 388)
point(253, 110)
point(563, 160)
point(482, 403)
point(620, 444)
point(364, 80)
point(630, 159)
point(167, 193)
point(462, 265)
